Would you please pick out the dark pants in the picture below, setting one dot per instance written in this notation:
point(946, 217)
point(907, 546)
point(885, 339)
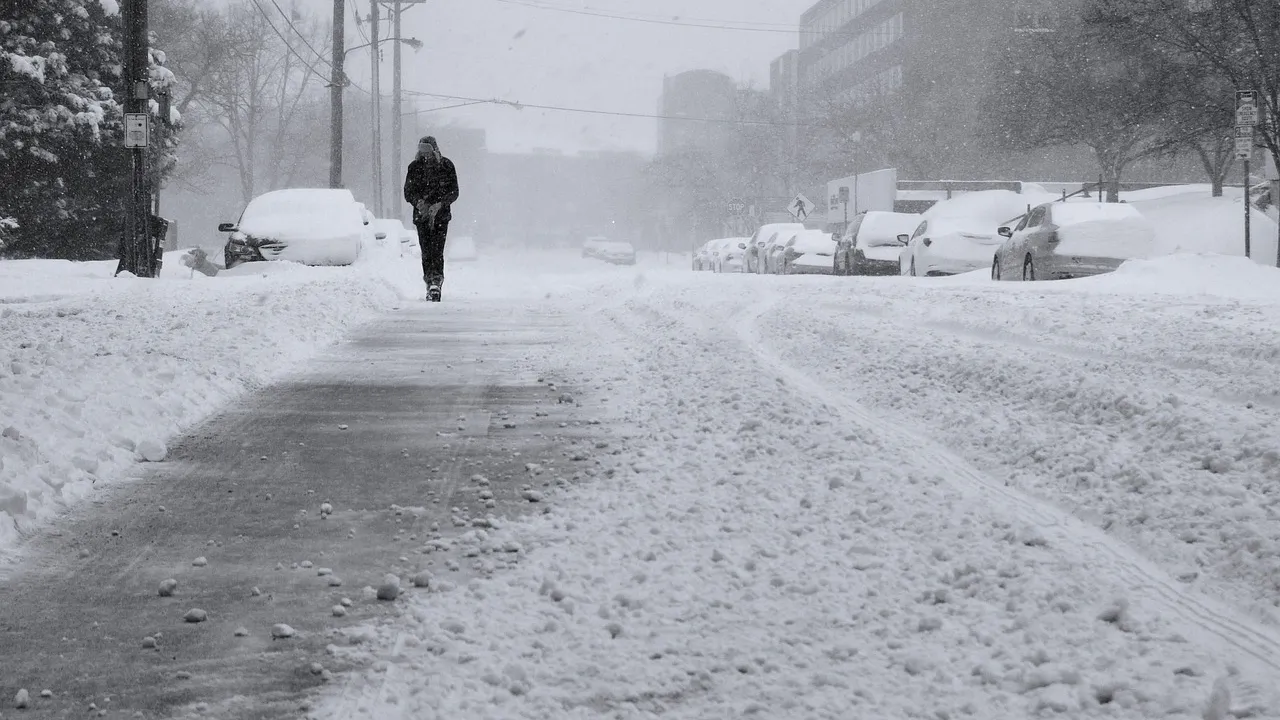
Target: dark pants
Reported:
point(431, 240)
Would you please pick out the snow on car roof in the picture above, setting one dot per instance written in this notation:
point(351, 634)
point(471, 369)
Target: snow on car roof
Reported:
point(881, 228)
point(1062, 214)
point(987, 207)
point(812, 241)
point(303, 212)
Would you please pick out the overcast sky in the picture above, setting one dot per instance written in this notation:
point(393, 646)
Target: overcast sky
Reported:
point(510, 50)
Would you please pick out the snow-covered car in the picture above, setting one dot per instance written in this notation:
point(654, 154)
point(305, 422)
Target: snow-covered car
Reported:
point(809, 252)
point(591, 248)
point(871, 245)
point(731, 255)
point(389, 233)
point(703, 257)
point(947, 246)
point(616, 252)
point(308, 226)
point(1072, 239)
point(461, 249)
point(961, 235)
point(771, 252)
point(752, 257)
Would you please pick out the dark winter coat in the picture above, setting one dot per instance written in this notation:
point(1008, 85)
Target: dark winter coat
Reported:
point(434, 182)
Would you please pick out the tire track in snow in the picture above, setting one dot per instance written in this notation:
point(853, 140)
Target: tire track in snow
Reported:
point(1210, 623)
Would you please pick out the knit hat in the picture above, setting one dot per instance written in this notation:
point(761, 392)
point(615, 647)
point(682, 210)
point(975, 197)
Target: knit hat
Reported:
point(428, 140)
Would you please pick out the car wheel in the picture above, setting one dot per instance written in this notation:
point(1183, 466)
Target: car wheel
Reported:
point(1028, 269)
point(913, 267)
point(995, 269)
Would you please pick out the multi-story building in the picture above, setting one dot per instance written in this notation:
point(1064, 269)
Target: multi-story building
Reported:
point(935, 57)
point(708, 99)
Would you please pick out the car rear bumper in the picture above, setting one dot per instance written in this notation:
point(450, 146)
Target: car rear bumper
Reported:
point(876, 267)
point(1065, 267)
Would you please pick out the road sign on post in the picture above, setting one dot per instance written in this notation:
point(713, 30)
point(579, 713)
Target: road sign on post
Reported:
point(136, 132)
point(800, 208)
point(1246, 119)
point(737, 206)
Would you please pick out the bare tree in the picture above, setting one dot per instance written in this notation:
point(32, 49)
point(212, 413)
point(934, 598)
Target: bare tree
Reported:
point(1236, 40)
point(1086, 83)
point(263, 93)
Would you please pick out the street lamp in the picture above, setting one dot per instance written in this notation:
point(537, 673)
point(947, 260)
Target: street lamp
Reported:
point(414, 43)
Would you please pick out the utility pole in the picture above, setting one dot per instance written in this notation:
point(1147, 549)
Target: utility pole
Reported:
point(396, 108)
point(137, 255)
point(336, 81)
point(374, 62)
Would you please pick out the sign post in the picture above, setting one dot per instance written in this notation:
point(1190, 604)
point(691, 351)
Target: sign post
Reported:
point(1246, 119)
point(800, 208)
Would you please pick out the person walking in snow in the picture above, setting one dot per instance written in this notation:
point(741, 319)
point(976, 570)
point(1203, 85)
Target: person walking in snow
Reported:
point(431, 186)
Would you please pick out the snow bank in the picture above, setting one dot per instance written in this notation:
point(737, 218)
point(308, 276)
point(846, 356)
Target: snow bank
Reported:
point(1223, 276)
point(97, 373)
point(1196, 222)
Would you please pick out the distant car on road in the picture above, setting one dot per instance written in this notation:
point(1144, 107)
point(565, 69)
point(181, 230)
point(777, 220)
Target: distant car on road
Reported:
point(809, 252)
point(1061, 240)
point(308, 226)
point(871, 246)
point(616, 252)
point(591, 248)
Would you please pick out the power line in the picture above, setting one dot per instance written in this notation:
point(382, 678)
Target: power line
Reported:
point(280, 35)
point(633, 18)
point(296, 31)
point(689, 22)
point(614, 113)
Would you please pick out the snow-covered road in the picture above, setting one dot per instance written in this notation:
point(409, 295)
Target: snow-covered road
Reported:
point(886, 497)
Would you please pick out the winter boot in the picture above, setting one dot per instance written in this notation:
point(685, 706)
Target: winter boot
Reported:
point(433, 288)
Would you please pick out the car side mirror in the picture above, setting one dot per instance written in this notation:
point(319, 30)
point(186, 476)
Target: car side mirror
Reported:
point(226, 227)
point(1006, 232)
point(380, 236)
point(903, 239)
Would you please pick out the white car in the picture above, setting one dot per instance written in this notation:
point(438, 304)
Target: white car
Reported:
point(731, 256)
point(389, 233)
point(616, 252)
point(703, 257)
point(752, 256)
point(948, 246)
point(810, 252)
point(591, 248)
point(771, 251)
point(308, 226)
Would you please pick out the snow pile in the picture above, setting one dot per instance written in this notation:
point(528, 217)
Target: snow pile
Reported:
point(1195, 222)
point(778, 549)
point(1222, 276)
point(97, 373)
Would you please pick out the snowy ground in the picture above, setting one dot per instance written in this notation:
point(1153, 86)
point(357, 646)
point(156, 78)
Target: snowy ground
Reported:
point(823, 497)
point(97, 373)
point(887, 498)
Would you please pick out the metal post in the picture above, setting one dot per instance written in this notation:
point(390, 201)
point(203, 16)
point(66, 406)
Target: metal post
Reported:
point(396, 110)
point(374, 63)
point(1247, 214)
point(136, 255)
point(336, 81)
